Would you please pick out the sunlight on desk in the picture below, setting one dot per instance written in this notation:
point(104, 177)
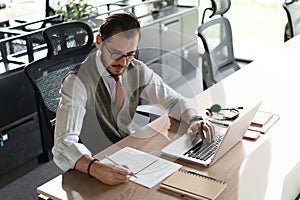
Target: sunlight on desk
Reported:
point(271, 79)
point(253, 174)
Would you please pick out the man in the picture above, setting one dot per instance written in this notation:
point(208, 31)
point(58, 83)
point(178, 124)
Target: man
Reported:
point(99, 98)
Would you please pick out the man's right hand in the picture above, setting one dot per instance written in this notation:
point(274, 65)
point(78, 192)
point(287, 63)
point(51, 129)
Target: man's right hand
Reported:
point(111, 174)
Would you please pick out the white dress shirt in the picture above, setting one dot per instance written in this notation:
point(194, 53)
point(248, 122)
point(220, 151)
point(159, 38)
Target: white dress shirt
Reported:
point(71, 111)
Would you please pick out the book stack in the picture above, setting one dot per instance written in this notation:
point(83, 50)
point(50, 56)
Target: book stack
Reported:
point(263, 121)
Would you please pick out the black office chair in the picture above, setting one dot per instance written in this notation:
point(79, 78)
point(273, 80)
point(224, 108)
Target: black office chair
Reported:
point(68, 45)
point(218, 60)
point(292, 9)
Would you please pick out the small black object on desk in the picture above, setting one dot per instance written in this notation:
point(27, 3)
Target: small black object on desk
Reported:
point(2, 5)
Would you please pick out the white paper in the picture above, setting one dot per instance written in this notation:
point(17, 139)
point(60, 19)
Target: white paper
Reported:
point(150, 170)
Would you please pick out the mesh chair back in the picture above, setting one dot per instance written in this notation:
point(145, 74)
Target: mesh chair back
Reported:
point(70, 36)
point(68, 45)
point(48, 83)
point(218, 60)
point(292, 9)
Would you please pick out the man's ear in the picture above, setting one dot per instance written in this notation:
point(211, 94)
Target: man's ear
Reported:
point(98, 40)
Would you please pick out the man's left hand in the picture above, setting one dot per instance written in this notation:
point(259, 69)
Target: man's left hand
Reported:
point(204, 128)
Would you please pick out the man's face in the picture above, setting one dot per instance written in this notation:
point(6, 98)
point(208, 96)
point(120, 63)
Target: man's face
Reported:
point(118, 52)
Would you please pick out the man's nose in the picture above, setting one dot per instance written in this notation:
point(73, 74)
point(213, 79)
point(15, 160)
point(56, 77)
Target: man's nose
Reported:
point(123, 61)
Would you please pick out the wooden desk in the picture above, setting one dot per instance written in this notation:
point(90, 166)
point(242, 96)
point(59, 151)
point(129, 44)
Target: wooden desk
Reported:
point(272, 78)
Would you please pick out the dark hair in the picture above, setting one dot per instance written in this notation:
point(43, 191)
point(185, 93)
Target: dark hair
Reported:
point(119, 22)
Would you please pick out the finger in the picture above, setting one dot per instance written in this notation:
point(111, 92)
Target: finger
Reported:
point(212, 129)
point(120, 178)
point(193, 129)
point(125, 166)
point(207, 135)
point(208, 132)
point(200, 131)
point(127, 172)
point(116, 174)
point(131, 173)
point(189, 131)
point(122, 169)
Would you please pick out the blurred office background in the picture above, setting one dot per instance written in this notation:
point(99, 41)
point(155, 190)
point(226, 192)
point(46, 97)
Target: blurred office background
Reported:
point(257, 26)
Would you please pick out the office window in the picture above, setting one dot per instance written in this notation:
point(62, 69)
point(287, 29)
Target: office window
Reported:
point(257, 26)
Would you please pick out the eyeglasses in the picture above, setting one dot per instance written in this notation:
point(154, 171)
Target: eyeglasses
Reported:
point(119, 56)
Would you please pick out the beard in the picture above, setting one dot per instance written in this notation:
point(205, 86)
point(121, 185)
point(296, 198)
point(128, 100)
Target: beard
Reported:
point(113, 69)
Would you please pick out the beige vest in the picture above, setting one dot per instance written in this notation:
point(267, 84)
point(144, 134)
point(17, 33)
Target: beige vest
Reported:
point(100, 129)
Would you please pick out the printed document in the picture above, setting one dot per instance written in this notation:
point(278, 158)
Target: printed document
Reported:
point(148, 169)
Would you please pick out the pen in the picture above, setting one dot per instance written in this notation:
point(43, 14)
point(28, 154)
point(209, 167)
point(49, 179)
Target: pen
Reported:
point(111, 160)
point(146, 166)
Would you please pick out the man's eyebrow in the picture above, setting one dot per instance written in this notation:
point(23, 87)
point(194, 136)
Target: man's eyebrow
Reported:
point(117, 51)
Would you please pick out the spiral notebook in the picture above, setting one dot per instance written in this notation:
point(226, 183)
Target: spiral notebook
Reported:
point(192, 185)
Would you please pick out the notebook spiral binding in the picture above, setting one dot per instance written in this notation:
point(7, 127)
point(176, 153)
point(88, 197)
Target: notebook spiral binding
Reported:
point(204, 176)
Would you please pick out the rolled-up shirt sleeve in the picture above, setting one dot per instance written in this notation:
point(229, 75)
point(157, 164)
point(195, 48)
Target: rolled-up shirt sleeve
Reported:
point(69, 118)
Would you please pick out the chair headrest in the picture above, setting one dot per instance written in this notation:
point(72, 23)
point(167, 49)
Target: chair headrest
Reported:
point(66, 37)
point(290, 1)
point(220, 7)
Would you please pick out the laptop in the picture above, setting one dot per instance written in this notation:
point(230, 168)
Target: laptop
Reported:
point(207, 154)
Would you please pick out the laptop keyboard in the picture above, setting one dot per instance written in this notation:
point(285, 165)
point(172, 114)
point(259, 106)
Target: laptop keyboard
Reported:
point(204, 151)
